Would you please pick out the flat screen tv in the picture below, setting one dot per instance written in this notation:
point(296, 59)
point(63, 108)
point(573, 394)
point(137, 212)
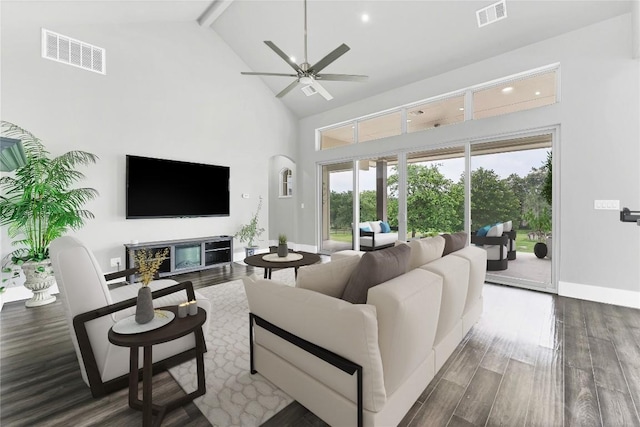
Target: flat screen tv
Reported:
point(158, 188)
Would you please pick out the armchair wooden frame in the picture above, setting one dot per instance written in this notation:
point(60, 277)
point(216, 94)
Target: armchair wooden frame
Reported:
point(98, 387)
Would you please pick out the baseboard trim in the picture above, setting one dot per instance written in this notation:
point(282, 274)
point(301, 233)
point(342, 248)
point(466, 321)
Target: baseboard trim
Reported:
point(599, 294)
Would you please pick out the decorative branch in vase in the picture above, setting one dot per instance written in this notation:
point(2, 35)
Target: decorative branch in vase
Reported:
point(148, 263)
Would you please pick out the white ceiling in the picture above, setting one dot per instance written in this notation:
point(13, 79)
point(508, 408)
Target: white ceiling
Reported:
point(404, 41)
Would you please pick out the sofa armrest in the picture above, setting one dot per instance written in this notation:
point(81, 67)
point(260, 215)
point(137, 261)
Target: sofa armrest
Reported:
point(369, 234)
point(80, 329)
point(321, 353)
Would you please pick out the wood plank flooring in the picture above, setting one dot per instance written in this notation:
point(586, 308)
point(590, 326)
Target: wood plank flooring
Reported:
point(533, 359)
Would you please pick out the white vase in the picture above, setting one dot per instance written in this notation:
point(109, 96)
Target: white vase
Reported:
point(39, 278)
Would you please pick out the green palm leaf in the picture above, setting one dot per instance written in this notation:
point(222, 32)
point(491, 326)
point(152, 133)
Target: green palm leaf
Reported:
point(37, 203)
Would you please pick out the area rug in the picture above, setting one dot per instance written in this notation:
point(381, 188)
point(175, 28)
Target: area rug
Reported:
point(234, 397)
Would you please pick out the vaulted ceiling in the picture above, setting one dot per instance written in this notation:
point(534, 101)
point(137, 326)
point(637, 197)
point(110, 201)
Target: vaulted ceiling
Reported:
point(403, 41)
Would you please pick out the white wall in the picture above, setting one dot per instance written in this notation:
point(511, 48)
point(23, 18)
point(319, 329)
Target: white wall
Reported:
point(171, 91)
point(282, 219)
point(599, 144)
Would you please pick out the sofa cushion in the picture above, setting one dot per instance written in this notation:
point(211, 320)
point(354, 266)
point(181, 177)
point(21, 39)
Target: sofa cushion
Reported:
point(375, 268)
point(454, 242)
point(328, 278)
point(367, 228)
point(345, 254)
point(375, 226)
point(425, 250)
point(507, 226)
point(384, 226)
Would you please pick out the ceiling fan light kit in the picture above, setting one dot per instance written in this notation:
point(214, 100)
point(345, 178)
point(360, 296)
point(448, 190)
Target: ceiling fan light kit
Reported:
point(306, 73)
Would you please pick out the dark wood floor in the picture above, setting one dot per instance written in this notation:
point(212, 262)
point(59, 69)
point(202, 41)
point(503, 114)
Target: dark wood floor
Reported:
point(534, 359)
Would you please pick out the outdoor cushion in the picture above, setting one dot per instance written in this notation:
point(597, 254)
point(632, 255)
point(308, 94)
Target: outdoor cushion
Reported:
point(385, 227)
point(507, 226)
point(367, 228)
point(482, 232)
point(375, 268)
point(495, 231)
point(375, 226)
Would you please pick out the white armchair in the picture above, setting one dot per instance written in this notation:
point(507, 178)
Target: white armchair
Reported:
point(91, 309)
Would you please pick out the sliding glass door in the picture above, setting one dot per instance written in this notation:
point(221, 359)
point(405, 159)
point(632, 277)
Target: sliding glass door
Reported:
point(508, 179)
point(337, 207)
point(464, 187)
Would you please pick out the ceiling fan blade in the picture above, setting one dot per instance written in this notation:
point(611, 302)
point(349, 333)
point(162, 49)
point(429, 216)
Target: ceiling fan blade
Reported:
point(342, 77)
point(247, 73)
point(332, 56)
point(321, 90)
point(288, 89)
point(282, 55)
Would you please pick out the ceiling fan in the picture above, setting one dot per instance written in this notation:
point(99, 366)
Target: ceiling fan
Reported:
point(308, 74)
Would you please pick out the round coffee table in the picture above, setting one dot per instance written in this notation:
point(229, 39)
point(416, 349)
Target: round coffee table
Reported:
point(258, 261)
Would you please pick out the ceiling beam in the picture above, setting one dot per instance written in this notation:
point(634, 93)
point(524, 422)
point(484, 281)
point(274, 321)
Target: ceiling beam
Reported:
point(213, 12)
point(635, 33)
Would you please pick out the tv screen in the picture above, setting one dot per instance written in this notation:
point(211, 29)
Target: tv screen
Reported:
point(158, 188)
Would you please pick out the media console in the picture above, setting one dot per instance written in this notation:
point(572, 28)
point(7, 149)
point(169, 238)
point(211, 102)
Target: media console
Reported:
point(186, 255)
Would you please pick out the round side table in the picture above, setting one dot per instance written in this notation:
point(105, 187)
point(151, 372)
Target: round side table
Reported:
point(177, 328)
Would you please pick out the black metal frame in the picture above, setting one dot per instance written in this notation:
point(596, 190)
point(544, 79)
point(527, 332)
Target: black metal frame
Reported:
point(328, 356)
point(100, 388)
point(493, 265)
point(511, 253)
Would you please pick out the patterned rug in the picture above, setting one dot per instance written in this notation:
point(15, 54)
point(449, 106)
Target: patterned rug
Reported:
point(234, 397)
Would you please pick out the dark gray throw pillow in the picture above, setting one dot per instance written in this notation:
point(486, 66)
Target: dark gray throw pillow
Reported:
point(454, 242)
point(375, 268)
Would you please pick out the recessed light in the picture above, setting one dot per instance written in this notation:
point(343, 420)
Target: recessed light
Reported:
point(461, 109)
point(292, 58)
point(365, 17)
point(408, 120)
point(538, 92)
point(507, 89)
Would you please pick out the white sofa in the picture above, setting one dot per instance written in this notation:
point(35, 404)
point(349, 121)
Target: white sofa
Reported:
point(375, 239)
point(399, 338)
point(88, 301)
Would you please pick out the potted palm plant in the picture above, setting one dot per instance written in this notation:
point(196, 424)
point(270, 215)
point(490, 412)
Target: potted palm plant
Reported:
point(38, 205)
point(251, 231)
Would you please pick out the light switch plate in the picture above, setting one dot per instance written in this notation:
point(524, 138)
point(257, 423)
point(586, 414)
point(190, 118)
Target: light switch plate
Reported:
point(610, 205)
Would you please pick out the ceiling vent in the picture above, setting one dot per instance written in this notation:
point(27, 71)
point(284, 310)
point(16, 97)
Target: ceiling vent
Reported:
point(73, 52)
point(491, 14)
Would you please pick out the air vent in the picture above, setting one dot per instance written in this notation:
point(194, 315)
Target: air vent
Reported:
point(73, 52)
point(491, 14)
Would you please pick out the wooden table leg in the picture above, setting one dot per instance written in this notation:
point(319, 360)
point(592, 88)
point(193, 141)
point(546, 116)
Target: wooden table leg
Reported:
point(134, 402)
point(200, 348)
point(147, 381)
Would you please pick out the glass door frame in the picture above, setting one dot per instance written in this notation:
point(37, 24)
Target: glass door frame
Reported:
point(554, 130)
